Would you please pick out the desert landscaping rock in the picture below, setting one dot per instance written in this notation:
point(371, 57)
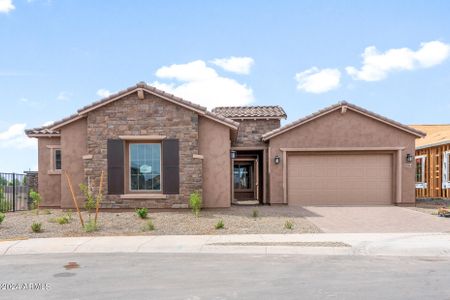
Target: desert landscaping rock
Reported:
point(237, 220)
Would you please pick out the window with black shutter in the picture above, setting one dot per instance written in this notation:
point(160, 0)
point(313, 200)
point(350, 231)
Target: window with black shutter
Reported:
point(116, 172)
point(171, 166)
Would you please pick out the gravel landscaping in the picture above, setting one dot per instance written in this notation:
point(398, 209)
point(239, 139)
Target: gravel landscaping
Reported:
point(237, 220)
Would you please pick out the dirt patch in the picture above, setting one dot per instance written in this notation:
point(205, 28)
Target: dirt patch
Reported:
point(237, 220)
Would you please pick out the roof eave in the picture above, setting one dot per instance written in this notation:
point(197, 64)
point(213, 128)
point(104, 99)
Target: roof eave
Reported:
point(288, 127)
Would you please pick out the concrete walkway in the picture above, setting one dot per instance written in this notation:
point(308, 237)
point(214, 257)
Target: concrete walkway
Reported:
point(386, 244)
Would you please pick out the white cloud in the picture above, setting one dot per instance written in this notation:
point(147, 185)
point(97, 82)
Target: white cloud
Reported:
point(201, 84)
point(239, 65)
point(315, 80)
point(64, 96)
point(14, 137)
point(48, 123)
point(376, 66)
point(103, 93)
point(6, 6)
point(193, 71)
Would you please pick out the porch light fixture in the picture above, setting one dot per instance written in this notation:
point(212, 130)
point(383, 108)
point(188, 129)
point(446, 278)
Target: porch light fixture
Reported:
point(409, 158)
point(233, 154)
point(277, 159)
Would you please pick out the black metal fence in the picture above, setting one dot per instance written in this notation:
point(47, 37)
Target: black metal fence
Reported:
point(13, 192)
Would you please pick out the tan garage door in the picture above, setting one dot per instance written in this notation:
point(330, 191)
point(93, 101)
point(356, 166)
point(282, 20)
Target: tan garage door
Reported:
point(339, 179)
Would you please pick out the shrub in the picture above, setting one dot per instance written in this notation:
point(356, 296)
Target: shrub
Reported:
point(2, 217)
point(142, 212)
point(5, 206)
point(36, 200)
point(149, 226)
point(62, 220)
point(195, 202)
point(90, 226)
point(36, 227)
point(220, 225)
point(255, 213)
point(289, 224)
point(69, 214)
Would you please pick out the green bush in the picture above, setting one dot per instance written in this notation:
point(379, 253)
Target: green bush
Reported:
point(5, 206)
point(62, 220)
point(149, 226)
point(36, 227)
point(90, 226)
point(220, 225)
point(36, 200)
point(195, 202)
point(2, 217)
point(142, 212)
point(289, 224)
point(255, 213)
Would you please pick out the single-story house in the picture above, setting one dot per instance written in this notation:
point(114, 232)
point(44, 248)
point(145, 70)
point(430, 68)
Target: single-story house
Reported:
point(155, 149)
point(433, 161)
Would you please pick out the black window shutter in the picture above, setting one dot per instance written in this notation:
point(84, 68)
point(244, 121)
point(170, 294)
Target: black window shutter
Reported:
point(115, 156)
point(171, 166)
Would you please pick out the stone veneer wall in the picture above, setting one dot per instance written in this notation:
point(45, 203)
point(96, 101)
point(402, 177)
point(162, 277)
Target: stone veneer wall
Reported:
point(151, 116)
point(251, 131)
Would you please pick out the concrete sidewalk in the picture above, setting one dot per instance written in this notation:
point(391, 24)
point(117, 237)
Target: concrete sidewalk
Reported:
point(385, 244)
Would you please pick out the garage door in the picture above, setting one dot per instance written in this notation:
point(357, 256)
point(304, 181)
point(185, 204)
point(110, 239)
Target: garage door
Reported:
point(339, 179)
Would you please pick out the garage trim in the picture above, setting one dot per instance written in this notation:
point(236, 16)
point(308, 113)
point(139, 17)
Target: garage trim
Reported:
point(398, 173)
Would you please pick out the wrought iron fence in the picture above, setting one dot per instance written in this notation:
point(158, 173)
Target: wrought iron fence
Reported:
point(13, 192)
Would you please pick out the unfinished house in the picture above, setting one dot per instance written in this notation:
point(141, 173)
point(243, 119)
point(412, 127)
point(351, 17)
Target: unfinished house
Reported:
point(433, 162)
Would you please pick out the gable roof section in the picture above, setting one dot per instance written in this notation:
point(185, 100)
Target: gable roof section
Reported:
point(251, 112)
point(341, 105)
point(437, 134)
point(141, 86)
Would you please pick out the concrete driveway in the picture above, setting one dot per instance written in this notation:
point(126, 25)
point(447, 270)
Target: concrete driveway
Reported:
point(374, 219)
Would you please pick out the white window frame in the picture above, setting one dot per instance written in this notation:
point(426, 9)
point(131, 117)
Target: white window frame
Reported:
point(423, 184)
point(445, 170)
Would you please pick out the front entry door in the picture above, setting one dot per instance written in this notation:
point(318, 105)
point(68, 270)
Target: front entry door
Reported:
point(245, 179)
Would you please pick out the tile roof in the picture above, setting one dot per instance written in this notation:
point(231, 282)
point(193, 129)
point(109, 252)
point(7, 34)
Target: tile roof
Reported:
point(338, 105)
point(237, 112)
point(41, 131)
point(53, 128)
point(437, 134)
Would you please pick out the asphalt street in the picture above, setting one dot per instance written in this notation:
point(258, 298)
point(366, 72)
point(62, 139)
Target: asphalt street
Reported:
point(222, 276)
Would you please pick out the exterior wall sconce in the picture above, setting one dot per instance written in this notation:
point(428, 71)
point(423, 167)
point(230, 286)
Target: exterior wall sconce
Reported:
point(409, 158)
point(277, 159)
point(233, 154)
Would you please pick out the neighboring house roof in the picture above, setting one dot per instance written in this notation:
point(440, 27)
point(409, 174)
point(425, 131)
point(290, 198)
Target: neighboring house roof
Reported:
point(343, 106)
point(251, 112)
point(437, 134)
point(53, 129)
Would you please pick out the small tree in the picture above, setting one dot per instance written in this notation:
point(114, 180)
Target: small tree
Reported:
point(195, 202)
point(90, 202)
point(37, 199)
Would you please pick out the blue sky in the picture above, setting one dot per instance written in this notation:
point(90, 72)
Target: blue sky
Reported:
point(57, 56)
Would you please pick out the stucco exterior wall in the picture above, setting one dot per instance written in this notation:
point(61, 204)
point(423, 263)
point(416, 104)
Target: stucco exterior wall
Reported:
point(251, 131)
point(73, 147)
point(49, 184)
point(343, 130)
point(150, 116)
point(214, 145)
